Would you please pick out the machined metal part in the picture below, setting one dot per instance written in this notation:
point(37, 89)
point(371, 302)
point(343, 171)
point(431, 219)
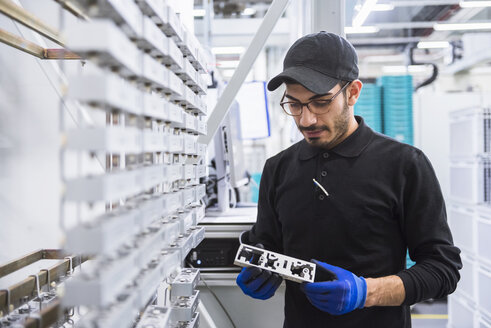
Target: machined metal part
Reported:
point(187, 324)
point(183, 244)
point(102, 280)
point(105, 234)
point(148, 282)
point(111, 139)
point(125, 13)
point(288, 267)
point(105, 187)
point(120, 314)
point(106, 90)
point(171, 261)
point(198, 235)
point(103, 41)
point(185, 283)
point(184, 307)
point(155, 317)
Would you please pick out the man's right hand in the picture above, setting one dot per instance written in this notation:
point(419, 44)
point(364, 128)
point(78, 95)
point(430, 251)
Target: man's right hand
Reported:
point(258, 283)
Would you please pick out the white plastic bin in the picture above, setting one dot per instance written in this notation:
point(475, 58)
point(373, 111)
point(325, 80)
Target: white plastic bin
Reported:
point(460, 312)
point(467, 182)
point(462, 222)
point(470, 132)
point(484, 240)
point(468, 277)
point(484, 289)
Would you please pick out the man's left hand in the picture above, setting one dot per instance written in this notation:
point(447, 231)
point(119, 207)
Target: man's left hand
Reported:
point(342, 295)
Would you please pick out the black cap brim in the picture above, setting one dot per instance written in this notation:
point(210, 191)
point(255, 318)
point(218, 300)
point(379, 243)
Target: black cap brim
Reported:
point(310, 79)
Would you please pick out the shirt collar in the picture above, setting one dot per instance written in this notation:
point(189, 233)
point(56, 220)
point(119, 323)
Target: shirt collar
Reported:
point(350, 147)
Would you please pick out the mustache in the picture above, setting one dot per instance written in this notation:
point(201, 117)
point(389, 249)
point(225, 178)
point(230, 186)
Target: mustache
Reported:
point(313, 128)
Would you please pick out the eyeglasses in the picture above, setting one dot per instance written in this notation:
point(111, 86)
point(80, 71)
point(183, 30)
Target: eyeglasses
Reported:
point(315, 106)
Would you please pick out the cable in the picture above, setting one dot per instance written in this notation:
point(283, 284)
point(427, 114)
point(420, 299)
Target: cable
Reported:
point(215, 296)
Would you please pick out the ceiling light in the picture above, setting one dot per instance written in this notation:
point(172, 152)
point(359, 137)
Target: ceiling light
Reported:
point(462, 26)
point(227, 50)
point(433, 44)
point(249, 12)
point(199, 12)
point(361, 29)
point(475, 4)
point(365, 10)
point(405, 69)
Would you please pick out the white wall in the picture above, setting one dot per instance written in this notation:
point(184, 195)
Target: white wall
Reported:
point(30, 185)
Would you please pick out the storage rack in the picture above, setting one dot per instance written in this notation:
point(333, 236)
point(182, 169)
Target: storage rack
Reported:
point(131, 172)
point(469, 214)
point(397, 107)
point(369, 106)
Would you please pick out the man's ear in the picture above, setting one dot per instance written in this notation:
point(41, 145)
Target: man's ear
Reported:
point(353, 92)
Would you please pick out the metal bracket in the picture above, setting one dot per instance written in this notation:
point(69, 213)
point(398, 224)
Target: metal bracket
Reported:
point(8, 299)
point(288, 267)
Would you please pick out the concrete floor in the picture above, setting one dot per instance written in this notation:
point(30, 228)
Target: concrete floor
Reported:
point(428, 314)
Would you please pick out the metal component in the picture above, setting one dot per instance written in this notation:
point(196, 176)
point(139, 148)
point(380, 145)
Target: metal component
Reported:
point(38, 319)
point(155, 317)
point(23, 291)
point(48, 279)
point(71, 7)
point(184, 308)
point(34, 49)
point(288, 267)
point(19, 14)
point(8, 299)
point(60, 54)
point(44, 254)
point(21, 44)
point(46, 317)
point(274, 13)
point(70, 259)
point(38, 289)
point(185, 283)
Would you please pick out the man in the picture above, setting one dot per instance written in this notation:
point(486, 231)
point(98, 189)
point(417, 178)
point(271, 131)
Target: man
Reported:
point(375, 198)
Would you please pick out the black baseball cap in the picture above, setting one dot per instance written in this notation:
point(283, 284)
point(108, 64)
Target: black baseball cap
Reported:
point(318, 62)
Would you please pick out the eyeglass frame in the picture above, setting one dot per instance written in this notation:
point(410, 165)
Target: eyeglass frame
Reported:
point(329, 101)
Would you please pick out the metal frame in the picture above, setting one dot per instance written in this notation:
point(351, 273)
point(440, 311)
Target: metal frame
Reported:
point(33, 49)
point(19, 14)
point(22, 16)
point(15, 295)
point(269, 21)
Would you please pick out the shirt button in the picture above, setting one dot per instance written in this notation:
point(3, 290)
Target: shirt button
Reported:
point(325, 155)
point(323, 173)
point(321, 197)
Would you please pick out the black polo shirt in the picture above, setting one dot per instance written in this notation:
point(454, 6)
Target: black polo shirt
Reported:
point(383, 198)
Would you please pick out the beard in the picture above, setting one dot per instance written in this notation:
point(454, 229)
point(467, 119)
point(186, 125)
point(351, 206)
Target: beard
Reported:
point(339, 130)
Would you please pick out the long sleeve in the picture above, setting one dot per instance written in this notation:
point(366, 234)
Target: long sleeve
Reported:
point(424, 225)
point(267, 229)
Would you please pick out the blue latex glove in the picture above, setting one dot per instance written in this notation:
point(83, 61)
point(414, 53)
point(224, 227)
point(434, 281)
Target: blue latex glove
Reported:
point(258, 283)
point(342, 295)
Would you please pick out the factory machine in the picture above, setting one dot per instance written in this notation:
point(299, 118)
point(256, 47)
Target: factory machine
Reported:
point(133, 80)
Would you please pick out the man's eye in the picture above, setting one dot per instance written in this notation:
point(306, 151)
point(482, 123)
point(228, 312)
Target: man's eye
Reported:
point(294, 105)
point(320, 103)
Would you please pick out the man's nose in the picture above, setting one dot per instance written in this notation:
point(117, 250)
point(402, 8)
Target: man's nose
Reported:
point(307, 118)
